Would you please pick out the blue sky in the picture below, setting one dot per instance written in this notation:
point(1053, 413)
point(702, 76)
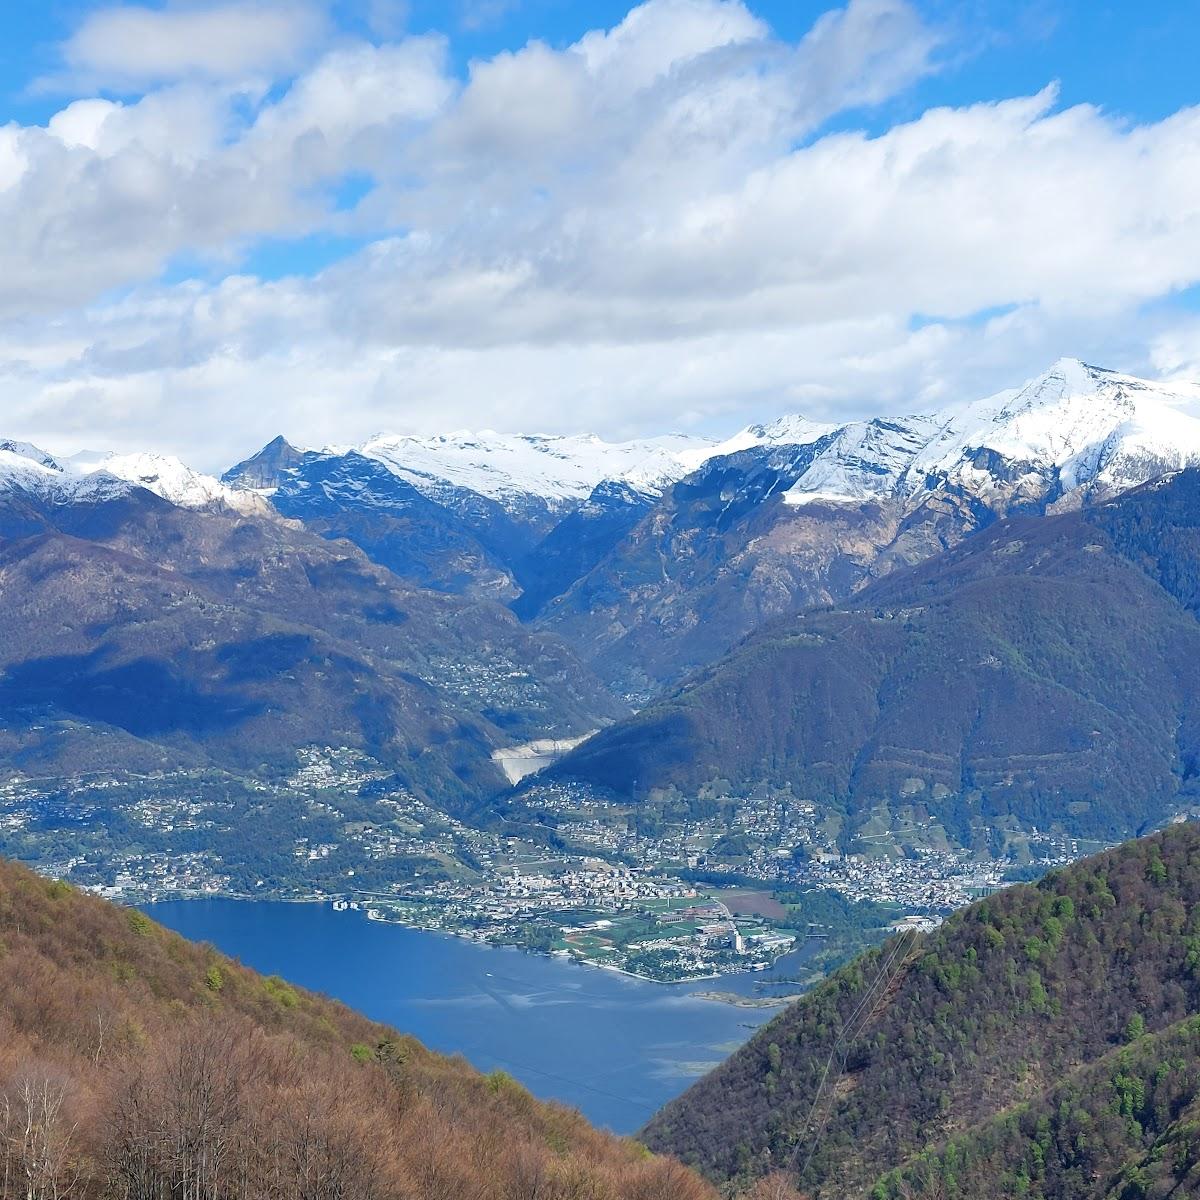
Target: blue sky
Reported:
point(327, 217)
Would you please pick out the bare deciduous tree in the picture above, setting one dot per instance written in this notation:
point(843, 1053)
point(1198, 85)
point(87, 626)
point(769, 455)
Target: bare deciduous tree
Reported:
point(37, 1139)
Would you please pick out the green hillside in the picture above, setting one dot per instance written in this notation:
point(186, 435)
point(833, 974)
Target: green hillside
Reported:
point(1043, 1042)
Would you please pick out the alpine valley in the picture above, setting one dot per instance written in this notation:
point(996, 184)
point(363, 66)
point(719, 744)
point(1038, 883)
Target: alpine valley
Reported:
point(565, 632)
point(794, 706)
point(968, 634)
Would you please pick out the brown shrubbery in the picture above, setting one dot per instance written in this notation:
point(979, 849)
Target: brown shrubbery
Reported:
point(136, 1065)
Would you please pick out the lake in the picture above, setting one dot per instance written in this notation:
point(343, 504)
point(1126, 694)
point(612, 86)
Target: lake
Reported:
point(617, 1048)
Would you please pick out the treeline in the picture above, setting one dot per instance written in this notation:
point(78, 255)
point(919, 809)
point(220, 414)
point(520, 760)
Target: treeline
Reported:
point(134, 1064)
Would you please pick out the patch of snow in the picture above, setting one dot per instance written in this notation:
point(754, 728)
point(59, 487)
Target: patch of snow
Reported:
point(794, 498)
point(786, 431)
point(561, 470)
point(29, 451)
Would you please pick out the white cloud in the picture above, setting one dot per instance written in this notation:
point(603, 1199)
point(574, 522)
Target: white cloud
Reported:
point(641, 230)
point(861, 55)
point(212, 373)
point(1175, 351)
point(482, 14)
point(657, 37)
point(352, 94)
point(131, 45)
point(108, 193)
point(387, 19)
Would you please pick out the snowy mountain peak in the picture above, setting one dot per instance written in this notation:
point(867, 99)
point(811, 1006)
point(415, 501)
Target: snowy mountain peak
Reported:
point(791, 430)
point(1094, 427)
point(1074, 429)
point(512, 468)
point(1072, 376)
point(1097, 388)
point(93, 475)
point(29, 451)
point(163, 474)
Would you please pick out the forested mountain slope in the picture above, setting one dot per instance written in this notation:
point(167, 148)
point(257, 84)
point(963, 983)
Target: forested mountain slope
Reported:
point(140, 634)
point(1041, 673)
point(1043, 1042)
point(136, 1064)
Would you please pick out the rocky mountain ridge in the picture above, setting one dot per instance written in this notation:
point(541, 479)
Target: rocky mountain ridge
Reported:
point(777, 527)
point(653, 557)
point(91, 475)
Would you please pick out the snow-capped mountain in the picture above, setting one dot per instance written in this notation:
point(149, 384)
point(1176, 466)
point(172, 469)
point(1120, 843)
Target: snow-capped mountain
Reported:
point(796, 514)
point(1074, 431)
point(652, 556)
point(476, 513)
point(791, 430)
point(509, 515)
point(1084, 427)
point(527, 516)
point(91, 475)
point(511, 468)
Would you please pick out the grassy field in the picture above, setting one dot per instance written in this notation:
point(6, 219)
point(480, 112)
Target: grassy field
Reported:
point(746, 902)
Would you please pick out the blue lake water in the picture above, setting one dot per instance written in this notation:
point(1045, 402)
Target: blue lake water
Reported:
point(617, 1048)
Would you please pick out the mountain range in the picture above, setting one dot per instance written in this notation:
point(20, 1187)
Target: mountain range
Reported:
point(651, 558)
point(466, 512)
point(433, 599)
point(811, 517)
point(1039, 676)
point(143, 632)
point(967, 629)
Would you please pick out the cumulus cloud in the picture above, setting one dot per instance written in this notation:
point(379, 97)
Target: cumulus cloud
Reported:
point(107, 193)
point(537, 148)
point(127, 46)
point(212, 373)
point(647, 228)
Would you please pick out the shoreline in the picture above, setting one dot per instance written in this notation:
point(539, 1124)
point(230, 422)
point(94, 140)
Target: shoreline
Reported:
point(737, 1001)
point(731, 998)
